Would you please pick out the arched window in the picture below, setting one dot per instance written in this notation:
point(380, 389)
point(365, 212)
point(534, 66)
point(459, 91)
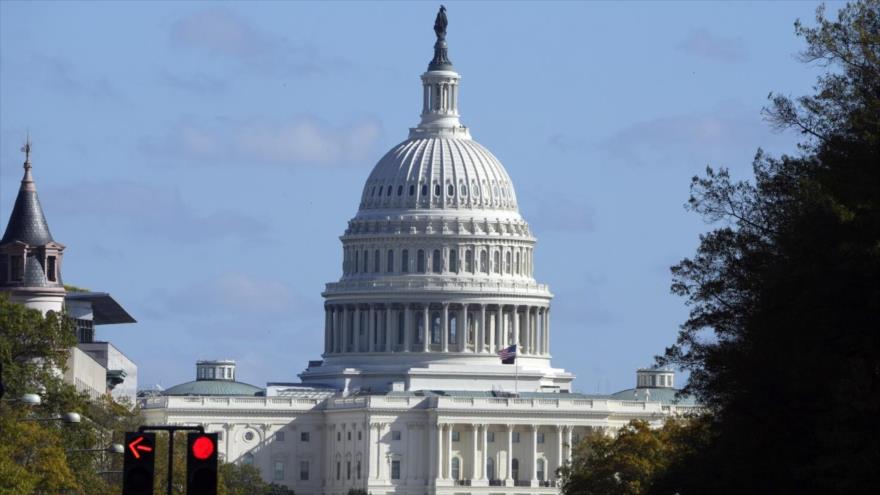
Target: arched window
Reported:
point(514, 467)
point(490, 464)
point(400, 190)
point(404, 261)
point(507, 262)
point(420, 261)
point(388, 192)
point(456, 468)
point(357, 263)
point(497, 261)
point(376, 261)
point(389, 267)
point(462, 189)
point(380, 191)
point(435, 328)
point(484, 261)
point(412, 189)
point(247, 459)
point(424, 190)
point(436, 189)
point(453, 260)
point(373, 192)
point(469, 261)
point(420, 330)
point(437, 261)
point(450, 190)
point(366, 261)
point(471, 322)
point(540, 469)
point(516, 263)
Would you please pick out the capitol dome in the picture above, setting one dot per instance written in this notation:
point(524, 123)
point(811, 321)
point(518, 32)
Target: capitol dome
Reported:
point(437, 268)
point(438, 173)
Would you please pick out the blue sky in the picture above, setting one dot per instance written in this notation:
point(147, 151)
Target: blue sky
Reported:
point(200, 160)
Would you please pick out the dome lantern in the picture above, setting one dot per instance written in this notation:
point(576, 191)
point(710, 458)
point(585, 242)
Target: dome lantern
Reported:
point(440, 91)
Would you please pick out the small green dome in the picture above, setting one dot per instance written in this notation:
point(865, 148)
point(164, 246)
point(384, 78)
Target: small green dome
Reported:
point(214, 387)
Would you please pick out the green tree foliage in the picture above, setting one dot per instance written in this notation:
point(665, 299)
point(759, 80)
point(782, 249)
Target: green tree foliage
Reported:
point(634, 460)
point(783, 336)
point(46, 457)
point(241, 479)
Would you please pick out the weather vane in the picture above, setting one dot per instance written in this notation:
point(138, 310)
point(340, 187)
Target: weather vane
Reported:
point(26, 149)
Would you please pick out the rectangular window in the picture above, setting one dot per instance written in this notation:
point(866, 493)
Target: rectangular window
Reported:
point(456, 436)
point(348, 469)
point(51, 269)
point(278, 474)
point(338, 469)
point(16, 268)
point(516, 437)
point(395, 435)
point(279, 436)
point(404, 261)
point(338, 436)
point(490, 436)
point(219, 435)
point(359, 435)
point(4, 267)
point(304, 470)
point(395, 470)
point(540, 438)
point(358, 469)
point(304, 436)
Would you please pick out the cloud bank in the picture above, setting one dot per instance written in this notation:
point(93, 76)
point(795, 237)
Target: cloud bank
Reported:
point(303, 141)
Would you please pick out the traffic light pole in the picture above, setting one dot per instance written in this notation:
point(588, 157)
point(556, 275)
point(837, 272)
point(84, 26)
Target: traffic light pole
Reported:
point(171, 431)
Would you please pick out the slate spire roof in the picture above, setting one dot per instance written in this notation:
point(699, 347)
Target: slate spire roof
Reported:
point(27, 223)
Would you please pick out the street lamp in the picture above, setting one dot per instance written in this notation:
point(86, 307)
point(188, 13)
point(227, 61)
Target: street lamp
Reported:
point(68, 418)
point(113, 448)
point(27, 399)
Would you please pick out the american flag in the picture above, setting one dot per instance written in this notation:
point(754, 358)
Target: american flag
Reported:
point(508, 355)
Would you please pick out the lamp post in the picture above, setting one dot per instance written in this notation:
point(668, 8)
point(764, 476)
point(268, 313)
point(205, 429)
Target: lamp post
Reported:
point(68, 418)
point(27, 399)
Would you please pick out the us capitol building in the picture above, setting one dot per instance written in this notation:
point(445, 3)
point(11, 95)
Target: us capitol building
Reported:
point(411, 396)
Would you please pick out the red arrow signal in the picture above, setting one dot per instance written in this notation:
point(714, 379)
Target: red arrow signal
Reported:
point(135, 446)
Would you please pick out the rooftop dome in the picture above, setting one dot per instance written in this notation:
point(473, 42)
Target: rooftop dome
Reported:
point(439, 172)
point(214, 387)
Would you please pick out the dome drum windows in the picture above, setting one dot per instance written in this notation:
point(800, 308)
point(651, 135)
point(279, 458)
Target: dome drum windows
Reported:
point(450, 190)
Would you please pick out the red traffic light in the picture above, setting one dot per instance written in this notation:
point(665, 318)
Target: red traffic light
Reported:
point(202, 448)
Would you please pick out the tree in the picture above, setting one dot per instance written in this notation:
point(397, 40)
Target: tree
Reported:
point(783, 336)
point(45, 457)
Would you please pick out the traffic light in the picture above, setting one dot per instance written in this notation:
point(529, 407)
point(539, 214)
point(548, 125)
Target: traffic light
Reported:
point(140, 457)
point(201, 464)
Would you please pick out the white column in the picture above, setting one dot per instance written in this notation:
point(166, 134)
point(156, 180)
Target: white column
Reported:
point(326, 330)
point(527, 316)
point(508, 471)
point(426, 329)
point(547, 328)
point(568, 432)
point(444, 328)
point(440, 474)
point(559, 461)
point(501, 339)
point(407, 327)
point(534, 457)
point(461, 328)
point(448, 451)
point(480, 345)
point(484, 429)
point(475, 459)
point(515, 316)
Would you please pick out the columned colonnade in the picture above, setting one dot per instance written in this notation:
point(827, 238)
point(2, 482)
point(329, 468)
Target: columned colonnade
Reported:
point(436, 327)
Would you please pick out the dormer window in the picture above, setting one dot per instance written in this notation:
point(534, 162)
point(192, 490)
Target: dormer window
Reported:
point(51, 269)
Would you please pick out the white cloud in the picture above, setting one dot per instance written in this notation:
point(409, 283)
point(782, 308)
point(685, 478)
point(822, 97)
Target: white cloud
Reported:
point(301, 141)
point(702, 43)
